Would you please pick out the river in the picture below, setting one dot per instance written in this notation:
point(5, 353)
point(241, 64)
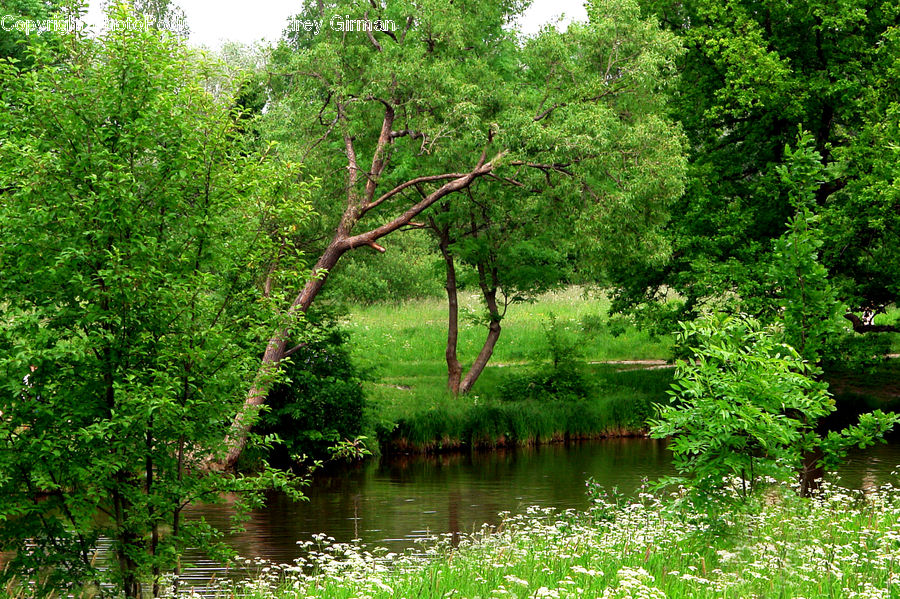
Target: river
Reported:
point(394, 502)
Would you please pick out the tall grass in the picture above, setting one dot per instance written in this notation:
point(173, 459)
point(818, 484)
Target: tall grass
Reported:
point(403, 345)
point(841, 544)
point(621, 404)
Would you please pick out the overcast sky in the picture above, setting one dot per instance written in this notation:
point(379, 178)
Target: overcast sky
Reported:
point(213, 21)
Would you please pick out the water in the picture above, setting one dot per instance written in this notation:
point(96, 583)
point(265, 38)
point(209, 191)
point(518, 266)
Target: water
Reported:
point(393, 503)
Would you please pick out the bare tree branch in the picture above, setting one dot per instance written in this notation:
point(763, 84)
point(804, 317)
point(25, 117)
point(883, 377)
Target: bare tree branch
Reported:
point(408, 184)
point(860, 327)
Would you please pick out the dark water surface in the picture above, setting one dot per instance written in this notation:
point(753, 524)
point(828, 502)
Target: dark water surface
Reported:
point(401, 499)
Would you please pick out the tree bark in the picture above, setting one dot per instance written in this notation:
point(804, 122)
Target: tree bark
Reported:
point(342, 242)
point(489, 292)
point(811, 473)
point(860, 327)
point(454, 369)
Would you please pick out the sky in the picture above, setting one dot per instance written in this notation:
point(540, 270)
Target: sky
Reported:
point(213, 21)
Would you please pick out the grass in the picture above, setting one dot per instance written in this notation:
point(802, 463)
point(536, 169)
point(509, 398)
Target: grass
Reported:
point(414, 334)
point(841, 544)
point(621, 405)
point(412, 411)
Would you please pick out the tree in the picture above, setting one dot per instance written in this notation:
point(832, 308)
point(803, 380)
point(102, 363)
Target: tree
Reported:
point(753, 72)
point(746, 405)
point(749, 401)
point(521, 230)
point(805, 299)
point(397, 120)
point(132, 241)
point(21, 20)
point(508, 241)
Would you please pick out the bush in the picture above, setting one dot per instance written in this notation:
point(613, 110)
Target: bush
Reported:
point(563, 378)
point(747, 406)
point(320, 404)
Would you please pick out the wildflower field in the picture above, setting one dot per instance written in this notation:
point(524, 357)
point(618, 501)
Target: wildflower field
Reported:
point(840, 544)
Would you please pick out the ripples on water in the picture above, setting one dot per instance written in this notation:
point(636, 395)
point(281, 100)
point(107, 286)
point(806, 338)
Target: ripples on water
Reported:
point(404, 499)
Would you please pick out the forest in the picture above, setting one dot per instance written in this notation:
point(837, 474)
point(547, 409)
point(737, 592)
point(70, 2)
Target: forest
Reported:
point(409, 228)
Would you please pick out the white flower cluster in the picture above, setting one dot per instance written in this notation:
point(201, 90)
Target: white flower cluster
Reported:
point(841, 544)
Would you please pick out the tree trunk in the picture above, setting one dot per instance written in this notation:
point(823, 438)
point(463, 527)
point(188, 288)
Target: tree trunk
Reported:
point(275, 349)
point(341, 243)
point(863, 327)
point(490, 298)
point(127, 540)
point(454, 369)
point(811, 474)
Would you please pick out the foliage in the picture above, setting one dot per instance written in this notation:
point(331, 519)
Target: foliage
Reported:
point(486, 423)
point(808, 305)
point(747, 406)
point(559, 375)
point(753, 72)
point(130, 317)
point(407, 272)
point(734, 403)
point(21, 21)
point(453, 97)
point(320, 403)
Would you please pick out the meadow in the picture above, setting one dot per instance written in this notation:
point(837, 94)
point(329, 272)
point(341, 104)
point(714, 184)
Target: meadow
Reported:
point(623, 371)
point(402, 347)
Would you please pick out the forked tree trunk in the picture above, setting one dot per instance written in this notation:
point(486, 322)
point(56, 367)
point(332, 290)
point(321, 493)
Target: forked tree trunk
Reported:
point(454, 368)
point(456, 383)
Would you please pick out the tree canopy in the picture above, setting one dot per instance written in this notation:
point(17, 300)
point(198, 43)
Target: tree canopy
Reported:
point(753, 72)
point(395, 121)
point(133, 227)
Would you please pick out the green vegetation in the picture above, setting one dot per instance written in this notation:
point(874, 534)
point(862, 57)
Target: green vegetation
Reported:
point(410, 406)
point(753, 73)
point(157, 212)
point(319, 403)
point(132, 242)
point(747, 406)
point(842, 544)
point(400, 127)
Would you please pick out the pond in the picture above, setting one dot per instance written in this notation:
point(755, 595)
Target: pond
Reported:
point(398, 500)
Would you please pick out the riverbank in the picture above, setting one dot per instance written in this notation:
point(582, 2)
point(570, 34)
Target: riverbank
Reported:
point(411, 411)
point(619, 403)
point(843, 544)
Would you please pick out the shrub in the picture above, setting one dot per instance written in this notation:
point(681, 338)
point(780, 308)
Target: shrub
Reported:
point(322, 401)
point(747, 406)
point(562, 378)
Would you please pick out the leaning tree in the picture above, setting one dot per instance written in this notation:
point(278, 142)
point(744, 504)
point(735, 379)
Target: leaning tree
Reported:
point(397, 106)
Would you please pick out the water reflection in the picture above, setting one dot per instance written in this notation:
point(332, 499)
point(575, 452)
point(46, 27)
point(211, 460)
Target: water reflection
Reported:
point(402, 499)
point(407, 498)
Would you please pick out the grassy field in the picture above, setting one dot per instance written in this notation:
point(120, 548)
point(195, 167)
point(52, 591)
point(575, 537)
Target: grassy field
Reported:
point(842, 544)
point(403, 347)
